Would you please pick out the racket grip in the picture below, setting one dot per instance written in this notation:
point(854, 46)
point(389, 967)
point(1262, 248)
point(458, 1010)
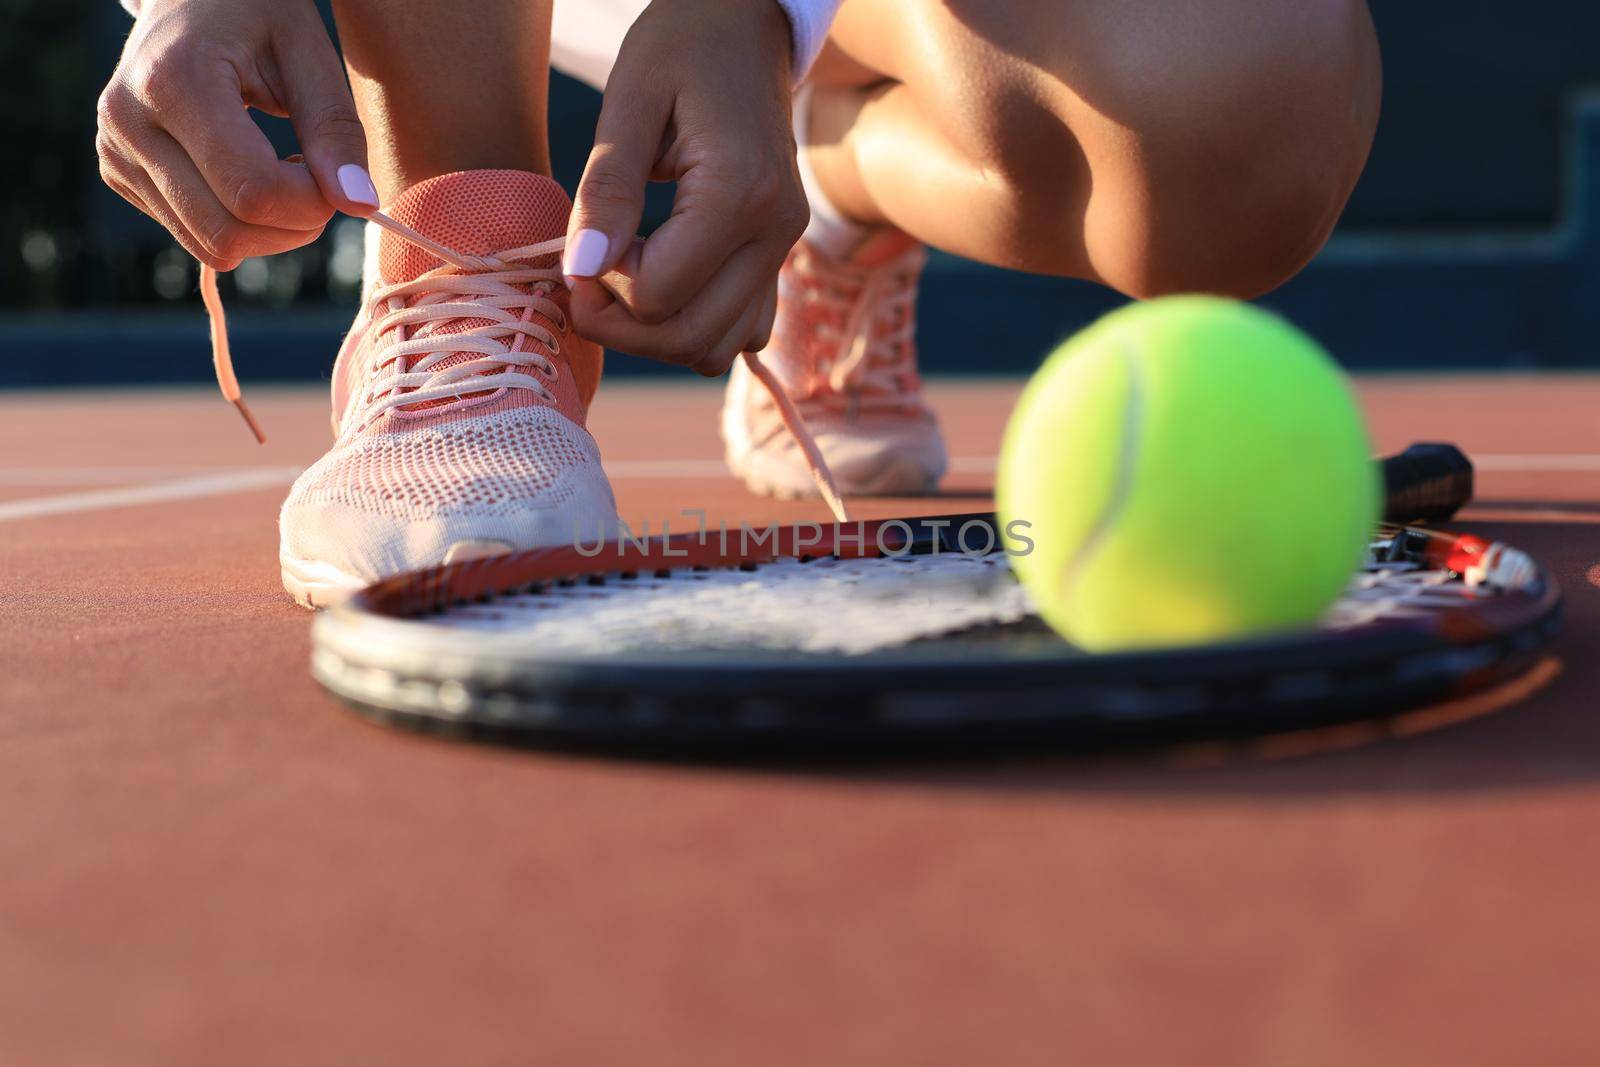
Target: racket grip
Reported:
point(1426, 483)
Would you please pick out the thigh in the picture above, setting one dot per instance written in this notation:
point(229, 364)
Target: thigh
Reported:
point(1131, 61)
point(1204, 143)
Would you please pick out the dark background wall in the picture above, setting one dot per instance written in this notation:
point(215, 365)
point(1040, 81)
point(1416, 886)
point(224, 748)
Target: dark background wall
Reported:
point(1471, 240)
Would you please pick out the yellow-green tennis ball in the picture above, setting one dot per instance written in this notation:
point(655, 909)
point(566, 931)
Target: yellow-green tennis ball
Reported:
point(1189, 470)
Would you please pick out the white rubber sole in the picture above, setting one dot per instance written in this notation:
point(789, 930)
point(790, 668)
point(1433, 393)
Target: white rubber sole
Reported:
point(316, 585)
point(897, 476)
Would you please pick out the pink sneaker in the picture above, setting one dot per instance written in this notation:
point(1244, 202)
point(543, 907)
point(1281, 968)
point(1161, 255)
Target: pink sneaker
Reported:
point(843, 346)
point(459, 400)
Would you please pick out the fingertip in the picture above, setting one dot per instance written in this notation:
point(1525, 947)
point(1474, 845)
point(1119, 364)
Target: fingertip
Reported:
point(346, 188)
point(358, 190)
point(585, 254)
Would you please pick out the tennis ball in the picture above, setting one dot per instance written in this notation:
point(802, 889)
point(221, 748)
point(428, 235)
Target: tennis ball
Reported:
point(1189, 470)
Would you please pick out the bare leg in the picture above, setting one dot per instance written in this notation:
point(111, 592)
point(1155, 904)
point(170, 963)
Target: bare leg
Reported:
point(441, 94)
point(1147, 145)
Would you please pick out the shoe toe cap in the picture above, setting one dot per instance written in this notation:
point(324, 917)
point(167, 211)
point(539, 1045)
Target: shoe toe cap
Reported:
point(381, 506)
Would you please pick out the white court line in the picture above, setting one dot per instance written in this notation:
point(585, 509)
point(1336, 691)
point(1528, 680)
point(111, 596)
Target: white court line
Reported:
point(1534, 463)
point(208, 485)
point(653, 469)
point(101, 476)
point(246, 479)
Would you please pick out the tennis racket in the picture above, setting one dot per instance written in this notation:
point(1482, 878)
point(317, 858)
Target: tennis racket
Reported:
point(908, 635)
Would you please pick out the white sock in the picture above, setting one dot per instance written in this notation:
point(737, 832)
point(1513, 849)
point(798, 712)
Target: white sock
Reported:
point(829, 230)
point(370, 237)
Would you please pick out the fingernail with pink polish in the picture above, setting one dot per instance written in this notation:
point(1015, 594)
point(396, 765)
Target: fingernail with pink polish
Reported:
point(357, 184)
point(585, 255)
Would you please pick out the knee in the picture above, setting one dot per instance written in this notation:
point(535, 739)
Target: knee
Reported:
point(1212, 158)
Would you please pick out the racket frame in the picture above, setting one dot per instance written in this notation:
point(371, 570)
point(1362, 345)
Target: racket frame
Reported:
point(939, 694)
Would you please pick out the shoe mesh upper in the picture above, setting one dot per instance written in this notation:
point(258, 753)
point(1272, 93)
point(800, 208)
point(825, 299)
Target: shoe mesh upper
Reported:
point(491, 465)
point(478, 212)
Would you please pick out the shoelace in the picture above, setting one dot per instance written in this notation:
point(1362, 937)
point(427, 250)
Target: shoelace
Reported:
point(492, 280)
point(501, 306)
point(874, 361)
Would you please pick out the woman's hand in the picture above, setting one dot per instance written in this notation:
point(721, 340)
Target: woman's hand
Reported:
point(176, 142)
point(700, 95)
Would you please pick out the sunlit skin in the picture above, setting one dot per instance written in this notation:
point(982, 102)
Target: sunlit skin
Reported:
point(1149, 146)
point(1154, 147)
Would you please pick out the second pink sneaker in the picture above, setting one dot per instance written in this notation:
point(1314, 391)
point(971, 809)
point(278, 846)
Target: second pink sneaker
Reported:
point(843, 345)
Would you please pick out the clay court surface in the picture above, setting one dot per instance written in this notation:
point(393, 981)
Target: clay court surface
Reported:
point(203, 860)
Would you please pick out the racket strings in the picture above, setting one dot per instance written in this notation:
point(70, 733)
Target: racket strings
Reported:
point(507, 266)
point(857, 606)
point(829, 605)
point(1398, 591)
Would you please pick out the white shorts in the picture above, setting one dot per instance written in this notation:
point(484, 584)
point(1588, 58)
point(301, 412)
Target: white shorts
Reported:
point(587, 34)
